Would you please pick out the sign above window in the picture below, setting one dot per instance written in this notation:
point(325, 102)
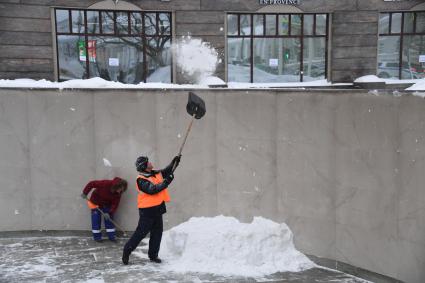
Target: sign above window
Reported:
point(280, 2)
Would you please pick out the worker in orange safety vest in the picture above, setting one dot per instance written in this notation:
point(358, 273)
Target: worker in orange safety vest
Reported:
point(152, 195)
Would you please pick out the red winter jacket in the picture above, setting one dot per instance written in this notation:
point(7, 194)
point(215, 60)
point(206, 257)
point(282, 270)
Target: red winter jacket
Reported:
point(102, 195)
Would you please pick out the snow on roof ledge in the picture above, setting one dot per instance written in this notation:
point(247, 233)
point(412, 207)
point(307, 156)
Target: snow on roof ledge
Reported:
point(101, 83)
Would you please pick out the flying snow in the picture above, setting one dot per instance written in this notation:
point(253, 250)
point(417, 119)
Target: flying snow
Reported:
point(106, 163)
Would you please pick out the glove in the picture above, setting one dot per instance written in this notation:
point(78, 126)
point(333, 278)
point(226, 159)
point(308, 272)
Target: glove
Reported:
point(176, 160)
point(84, 196)
point(169, 178)
point(107, 216)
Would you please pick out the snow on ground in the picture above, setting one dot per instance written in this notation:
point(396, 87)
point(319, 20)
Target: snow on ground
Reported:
point(224, 246)
point(219, 249)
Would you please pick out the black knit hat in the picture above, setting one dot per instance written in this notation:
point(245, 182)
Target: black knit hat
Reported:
point(141, 163)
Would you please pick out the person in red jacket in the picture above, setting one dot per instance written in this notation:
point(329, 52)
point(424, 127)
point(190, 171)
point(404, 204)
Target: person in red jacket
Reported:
point(105, 197)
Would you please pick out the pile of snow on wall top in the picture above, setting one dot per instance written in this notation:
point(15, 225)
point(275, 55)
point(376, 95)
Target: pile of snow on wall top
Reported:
point(224, 246)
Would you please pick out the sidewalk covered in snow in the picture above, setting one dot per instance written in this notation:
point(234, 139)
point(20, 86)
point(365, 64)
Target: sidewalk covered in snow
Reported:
point(80, 259)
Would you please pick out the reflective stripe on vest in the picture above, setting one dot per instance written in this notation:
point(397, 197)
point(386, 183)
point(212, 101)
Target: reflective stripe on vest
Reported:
point(92, 205)
point(145, 200)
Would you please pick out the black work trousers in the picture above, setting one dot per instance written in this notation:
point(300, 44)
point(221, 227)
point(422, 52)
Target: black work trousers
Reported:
point(148, 223)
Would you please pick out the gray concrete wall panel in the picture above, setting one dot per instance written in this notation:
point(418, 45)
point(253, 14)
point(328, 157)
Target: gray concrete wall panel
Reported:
point(62, 151)
point(366, 214)
point(15, 183)
point(410, 168)
point(306, 174)
point(343, 169)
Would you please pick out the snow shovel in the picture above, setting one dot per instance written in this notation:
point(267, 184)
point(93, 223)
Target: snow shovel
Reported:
point(110, 219)
point(196, 108)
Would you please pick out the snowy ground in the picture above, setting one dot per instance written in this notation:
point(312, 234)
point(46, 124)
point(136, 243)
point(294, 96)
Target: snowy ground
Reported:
point(80, 259)
point(219, 249)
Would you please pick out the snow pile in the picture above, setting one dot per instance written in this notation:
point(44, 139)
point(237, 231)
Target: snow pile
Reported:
point(224, 246)
point(195, 58)
point(211, 81)
point(369, 79)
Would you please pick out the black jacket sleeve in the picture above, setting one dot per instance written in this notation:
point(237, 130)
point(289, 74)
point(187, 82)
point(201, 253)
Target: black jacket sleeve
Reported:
point(149, 188)
point(167, 170)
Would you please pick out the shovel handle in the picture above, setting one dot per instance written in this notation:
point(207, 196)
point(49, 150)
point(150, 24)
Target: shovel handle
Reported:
point(185, 138)
point(113, 222)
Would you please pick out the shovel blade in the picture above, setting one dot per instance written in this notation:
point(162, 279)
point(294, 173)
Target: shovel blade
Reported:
point(195, 106)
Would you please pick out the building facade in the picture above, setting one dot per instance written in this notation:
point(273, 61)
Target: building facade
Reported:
point(257, 41)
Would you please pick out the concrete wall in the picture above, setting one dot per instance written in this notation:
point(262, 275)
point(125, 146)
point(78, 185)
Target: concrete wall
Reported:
point(26, 45)
point(344, 169)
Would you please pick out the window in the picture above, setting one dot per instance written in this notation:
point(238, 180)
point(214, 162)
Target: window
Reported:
point(270, 48)
point(124, 46)
point(401, 45)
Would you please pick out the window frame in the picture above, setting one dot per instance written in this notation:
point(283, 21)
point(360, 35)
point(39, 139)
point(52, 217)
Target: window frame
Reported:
point(86, 34)
point(401, 34)
point(301, 36)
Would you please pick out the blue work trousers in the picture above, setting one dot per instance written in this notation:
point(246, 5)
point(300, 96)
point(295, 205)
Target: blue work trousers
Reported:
point(96, 223)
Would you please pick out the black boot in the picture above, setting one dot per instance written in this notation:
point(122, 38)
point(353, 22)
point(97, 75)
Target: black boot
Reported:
point(125, 257)
point(155, 259)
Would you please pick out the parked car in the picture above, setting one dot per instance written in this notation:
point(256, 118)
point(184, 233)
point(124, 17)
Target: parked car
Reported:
point(388, 70)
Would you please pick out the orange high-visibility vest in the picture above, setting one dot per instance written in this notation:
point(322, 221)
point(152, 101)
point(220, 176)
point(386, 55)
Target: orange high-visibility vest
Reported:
point(92, 205)
point(145, 200)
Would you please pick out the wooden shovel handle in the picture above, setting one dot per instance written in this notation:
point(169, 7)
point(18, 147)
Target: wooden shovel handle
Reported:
point(185, 138)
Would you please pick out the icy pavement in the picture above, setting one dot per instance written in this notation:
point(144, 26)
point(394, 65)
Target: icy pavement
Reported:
point(80, 259)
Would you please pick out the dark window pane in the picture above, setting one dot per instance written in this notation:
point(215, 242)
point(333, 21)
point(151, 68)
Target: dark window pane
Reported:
point(136, 23)
point(259, 24)
point(321, 24)
point(117, 59)
point(150, 23)
point(107, 22)
point(384, 23)
point(314, 58)
point(408, 22)
point(72, 57)
point(396, 23)
point(77, 21)
point(413, 47)
point(164, 24)
point(62, 20)
point(93, 22)
point(232, 24)
point(388, 56)
point(158, 56)
point(295, 25)
point(276, 60)
point(283, 24)
point(239, 59)
point(122, 22)
point(245, 25)
point(270, 24)
point(308, 24)
point(420, 22)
